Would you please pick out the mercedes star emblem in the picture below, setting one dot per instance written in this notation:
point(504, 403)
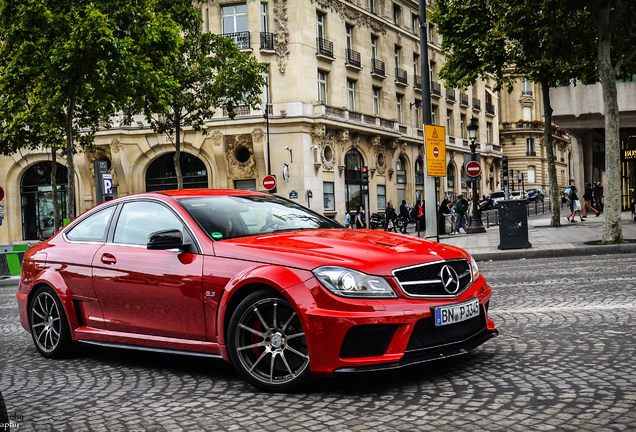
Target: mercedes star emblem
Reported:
point(450, 279)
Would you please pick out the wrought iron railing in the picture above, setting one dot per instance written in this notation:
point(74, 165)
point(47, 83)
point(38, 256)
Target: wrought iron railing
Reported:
point(436, 88)
point(267, 41)
point(353, 58)
point(401, 76)
point(377, 67)
point(325, 47)
point(240, 39)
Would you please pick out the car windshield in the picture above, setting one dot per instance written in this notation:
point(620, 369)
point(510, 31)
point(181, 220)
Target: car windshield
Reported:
point(497, 195)
point(223, 217)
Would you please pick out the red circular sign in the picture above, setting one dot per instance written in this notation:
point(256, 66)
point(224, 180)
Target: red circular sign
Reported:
point(269, 182)
point(435, 152)
point(1, 194)
point(473, 168)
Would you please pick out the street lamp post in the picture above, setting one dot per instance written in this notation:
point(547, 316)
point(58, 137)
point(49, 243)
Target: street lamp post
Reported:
point(475, 222)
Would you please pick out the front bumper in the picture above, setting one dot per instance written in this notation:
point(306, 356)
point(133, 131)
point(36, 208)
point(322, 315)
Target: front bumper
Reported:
point(351, 336)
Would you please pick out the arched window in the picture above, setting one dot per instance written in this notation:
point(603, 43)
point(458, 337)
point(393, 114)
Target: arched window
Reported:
point(353, 180)
point(37, 200)
point(161, 174)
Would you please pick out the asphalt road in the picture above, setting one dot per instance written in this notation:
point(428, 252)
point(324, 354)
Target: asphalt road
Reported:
point(565, 361)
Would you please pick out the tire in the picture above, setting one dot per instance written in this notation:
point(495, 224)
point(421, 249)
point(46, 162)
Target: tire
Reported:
point(267, 345)
point(48, 323)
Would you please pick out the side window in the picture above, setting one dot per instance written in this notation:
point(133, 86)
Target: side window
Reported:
point(93, 228)
point(140, 218)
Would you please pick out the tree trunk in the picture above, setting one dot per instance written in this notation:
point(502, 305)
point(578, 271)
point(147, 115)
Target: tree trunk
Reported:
point(612, 226)
point(70, 151)
point(177, 153)
point(56, 204)
point(555, 197)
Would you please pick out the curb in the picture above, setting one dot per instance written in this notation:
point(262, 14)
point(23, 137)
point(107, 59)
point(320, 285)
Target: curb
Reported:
point(583, 250)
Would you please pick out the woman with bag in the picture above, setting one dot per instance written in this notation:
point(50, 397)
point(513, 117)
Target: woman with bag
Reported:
point(576, 206)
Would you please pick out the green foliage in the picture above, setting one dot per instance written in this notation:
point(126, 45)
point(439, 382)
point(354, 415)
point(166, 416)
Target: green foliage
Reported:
point(542, 40)
point(210, 72)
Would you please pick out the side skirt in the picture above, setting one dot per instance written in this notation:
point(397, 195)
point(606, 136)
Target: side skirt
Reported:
point(149, 349)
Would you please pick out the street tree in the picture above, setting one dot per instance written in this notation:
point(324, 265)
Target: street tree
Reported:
point(211, 73)
point(504, 40)
point(67, 67)
point(615, 25)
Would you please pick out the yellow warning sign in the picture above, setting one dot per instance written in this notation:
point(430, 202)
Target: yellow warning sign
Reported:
point(435, 139)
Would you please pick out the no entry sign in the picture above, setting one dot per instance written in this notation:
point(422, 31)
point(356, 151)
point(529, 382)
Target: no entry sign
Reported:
point(473, 169)
point(269, 182)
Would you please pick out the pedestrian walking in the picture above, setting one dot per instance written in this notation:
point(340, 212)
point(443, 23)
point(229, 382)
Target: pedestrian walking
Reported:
point(444, 210)
point(348, 220)
point(390, 217)
point(597, 192)
point(404, 216)
point(576, 206)
point(460, 211)
point(360, 218)
point(418, 212)
point(587, 198)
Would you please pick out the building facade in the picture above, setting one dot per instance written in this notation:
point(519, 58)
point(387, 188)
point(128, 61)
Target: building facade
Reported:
point(343, 92)
point(579, 109)
point(521, 136)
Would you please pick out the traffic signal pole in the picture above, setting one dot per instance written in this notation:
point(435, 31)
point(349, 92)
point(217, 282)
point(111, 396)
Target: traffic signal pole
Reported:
point(430, 189)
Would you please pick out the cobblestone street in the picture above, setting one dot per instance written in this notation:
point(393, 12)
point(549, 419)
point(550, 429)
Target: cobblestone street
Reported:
point(565, 361)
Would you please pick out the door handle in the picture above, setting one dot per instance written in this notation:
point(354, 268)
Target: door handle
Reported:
point(109, 259)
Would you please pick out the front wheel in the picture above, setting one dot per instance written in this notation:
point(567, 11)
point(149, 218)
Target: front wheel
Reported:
point(267, 344)
point(49, 326)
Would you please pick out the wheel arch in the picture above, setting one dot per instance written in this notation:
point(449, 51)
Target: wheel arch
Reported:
point(62, 295)
point(277, 279)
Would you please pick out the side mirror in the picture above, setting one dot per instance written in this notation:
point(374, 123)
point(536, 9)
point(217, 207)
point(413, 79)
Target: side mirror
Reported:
point(165, 239)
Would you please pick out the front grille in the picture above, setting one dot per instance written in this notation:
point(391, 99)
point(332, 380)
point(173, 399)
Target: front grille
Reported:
point(425, 280)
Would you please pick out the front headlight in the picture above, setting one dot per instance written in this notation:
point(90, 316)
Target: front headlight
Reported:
point(349, 283)
point(474, 269)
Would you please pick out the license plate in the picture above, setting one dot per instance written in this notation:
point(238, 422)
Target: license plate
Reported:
point(452, 314)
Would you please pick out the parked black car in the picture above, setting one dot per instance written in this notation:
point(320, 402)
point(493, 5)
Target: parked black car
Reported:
point(535, 195)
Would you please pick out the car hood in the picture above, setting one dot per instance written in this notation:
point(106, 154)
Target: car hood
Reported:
point(374, 252)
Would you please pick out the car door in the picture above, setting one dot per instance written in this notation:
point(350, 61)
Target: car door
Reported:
point(153, 292)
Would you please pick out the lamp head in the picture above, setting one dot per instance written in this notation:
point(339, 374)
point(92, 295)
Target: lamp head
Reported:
point(472, 129)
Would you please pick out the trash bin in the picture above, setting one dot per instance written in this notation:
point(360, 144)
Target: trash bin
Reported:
point(448, 223)
point(513, 225)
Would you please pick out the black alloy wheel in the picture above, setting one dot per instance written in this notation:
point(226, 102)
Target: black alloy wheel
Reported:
point(48, 323)
point(267, 344)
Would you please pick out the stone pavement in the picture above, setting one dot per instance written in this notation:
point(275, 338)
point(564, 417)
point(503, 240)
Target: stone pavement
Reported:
point(567, 240)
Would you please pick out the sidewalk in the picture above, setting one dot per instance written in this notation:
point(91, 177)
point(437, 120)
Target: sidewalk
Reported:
point(567, 240)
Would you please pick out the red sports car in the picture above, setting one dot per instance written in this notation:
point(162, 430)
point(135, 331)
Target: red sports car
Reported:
point(278, 290)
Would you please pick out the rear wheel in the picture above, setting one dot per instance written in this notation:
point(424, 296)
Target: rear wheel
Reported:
point(49, 326)
point(267, 344)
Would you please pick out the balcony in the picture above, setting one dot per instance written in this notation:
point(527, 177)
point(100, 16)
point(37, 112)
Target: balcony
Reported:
point(353, 59)
point(377, 68)
point(267, 41)
point(526, 93)
point(436, 89)
point(463, 99)
point(490, 109)
point(476, 104)
point(324, 48)
point(417, 82)
point(450, 95)
point(240, 39)
point(401, 77)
